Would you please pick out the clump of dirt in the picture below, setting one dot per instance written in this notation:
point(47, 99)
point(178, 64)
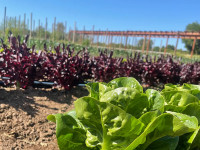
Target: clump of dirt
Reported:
point(23, 123)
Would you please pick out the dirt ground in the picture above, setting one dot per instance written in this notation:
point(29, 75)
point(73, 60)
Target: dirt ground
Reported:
point(23, 123)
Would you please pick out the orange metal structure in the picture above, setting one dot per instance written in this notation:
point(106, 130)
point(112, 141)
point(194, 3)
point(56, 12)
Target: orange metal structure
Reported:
point(145, 34)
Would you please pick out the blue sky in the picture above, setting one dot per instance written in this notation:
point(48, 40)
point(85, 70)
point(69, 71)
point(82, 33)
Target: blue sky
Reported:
point(140, 15)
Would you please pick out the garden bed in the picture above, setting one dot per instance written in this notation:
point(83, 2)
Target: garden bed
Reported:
point(23, 123)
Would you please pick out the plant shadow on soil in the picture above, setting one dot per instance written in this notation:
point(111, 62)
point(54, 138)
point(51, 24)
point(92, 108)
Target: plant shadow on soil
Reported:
point(25, 99)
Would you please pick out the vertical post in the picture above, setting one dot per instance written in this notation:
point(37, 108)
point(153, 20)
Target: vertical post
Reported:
point(153, 45)
point(83, 36)
point(132, 43)
point(118, 42)
point(115, 42)
point(65, 30)
point(39, 29)
point(31, 26)
point(135, 42)
point(19, 23)
point(103, 40)
point(10, 23)
point(74, 33)
point(148, 44)
point(4, 27)
point(160, 46)
point(15, 22)
point(106, 37)
point(108, 41)
point(24, 24)
point(92, 39)
point(121, 41)
point(193, 46)
point(111, 39)
point(69, 33)
point(41, 33)
point(27, 23)
point(166, 46)
point(176, 46)
point(98, 40)
point(126, 41)
point(129, 44)
point(46, 29)
point(143, 45)
point(52, 31)
point(54, 28)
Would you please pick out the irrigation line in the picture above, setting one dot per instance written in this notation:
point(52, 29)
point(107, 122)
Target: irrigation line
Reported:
point(40, 83)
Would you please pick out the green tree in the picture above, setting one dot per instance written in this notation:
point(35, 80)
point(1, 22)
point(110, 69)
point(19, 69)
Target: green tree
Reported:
point(195, 26)
point(156, 48)
point(140, 44)
point(171, 47)
point(60, 31)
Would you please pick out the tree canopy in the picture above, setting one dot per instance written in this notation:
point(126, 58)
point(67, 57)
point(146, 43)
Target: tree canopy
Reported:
point(140, 44)
point(195, 26)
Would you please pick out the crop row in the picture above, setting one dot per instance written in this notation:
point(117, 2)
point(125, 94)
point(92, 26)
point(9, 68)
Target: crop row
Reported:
point(64, 67)
point(119, 115)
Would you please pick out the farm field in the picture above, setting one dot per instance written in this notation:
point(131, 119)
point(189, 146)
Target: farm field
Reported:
point(23, 112)
point(99, 75)
point(25, 107)
point(64, 67)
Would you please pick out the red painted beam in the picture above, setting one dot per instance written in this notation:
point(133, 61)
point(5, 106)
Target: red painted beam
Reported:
point(159, 34)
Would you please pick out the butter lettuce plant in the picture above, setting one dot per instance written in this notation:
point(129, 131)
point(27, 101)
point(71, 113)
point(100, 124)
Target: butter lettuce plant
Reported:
point(119, 115)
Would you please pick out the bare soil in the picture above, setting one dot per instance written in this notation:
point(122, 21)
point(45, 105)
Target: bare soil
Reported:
point(23, 123)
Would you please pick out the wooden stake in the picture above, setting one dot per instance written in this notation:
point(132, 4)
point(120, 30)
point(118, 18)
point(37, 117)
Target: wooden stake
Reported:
point(24, 24)
point(83, 36)
point(121, 41)
point(27, 23)
point(106, 38)
point(193, 46)
point(46, 29)
point(15, 22)
point(166, 46)
point(69, 33)
point(129, 41)
point(74, 33)
point(132, 43)
point(160, 46)
point(4, 27)
point(19, 23)
point(39, 29)
point(98, 41)
point(176, 46)
point(143, 45)
point(92, 39)
point(148, 44)
point(111, 38)
point(126, 41)
point(54, 29)
point(65, 30)
point(108, 41)
point(31, 26)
